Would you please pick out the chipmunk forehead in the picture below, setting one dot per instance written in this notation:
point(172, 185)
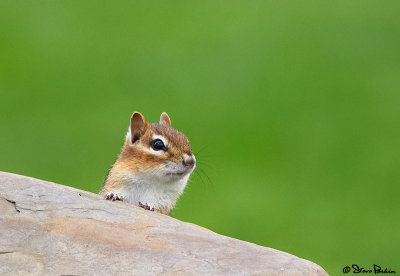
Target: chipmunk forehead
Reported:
point(171, 135)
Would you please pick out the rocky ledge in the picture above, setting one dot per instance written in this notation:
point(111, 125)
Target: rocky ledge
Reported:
point(51, 229)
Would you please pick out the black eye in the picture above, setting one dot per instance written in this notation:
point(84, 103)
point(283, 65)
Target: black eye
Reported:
point(157, 144)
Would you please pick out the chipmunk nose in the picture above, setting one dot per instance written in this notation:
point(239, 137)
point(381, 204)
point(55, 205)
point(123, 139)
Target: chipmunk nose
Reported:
point(188, 161)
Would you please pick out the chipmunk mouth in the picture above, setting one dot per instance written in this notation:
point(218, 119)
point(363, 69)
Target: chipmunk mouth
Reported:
point(182, 172)
point(176, 173)
point(179, 173)
point(185, 167)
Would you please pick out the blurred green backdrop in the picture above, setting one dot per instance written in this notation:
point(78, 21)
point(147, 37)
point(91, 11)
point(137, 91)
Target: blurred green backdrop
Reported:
point(293, 105)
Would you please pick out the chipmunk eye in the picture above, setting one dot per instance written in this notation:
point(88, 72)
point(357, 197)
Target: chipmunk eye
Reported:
point(157, 144)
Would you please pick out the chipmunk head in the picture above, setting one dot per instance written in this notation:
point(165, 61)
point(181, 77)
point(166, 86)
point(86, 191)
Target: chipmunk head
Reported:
point(157, 150)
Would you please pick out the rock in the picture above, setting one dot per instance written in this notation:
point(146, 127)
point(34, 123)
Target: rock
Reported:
point(50, 229)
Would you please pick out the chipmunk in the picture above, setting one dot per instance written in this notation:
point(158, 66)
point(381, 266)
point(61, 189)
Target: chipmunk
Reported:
point(153, 167)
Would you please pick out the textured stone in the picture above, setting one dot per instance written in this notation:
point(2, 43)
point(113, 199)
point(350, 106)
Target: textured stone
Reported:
point(50, 229)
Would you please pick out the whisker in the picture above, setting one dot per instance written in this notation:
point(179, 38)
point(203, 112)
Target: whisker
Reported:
point(200, 150)
point(201, 162)
point(201, 171)
point(197, 173)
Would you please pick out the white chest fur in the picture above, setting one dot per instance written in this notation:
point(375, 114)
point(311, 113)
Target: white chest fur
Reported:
point(153, 191)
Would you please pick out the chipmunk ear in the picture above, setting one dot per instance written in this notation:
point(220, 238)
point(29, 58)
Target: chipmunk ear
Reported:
point(165, 120)
point(139, 126)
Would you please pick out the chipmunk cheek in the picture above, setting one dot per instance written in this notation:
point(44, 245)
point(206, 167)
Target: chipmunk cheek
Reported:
point(176, 159)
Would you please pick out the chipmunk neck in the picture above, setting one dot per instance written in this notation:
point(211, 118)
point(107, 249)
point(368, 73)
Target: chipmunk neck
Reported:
point(160, 194)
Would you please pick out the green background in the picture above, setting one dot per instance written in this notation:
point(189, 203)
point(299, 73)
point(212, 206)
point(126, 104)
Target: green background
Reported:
point(293, 105)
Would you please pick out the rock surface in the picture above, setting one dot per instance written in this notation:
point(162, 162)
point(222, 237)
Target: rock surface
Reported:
point(50, 229)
